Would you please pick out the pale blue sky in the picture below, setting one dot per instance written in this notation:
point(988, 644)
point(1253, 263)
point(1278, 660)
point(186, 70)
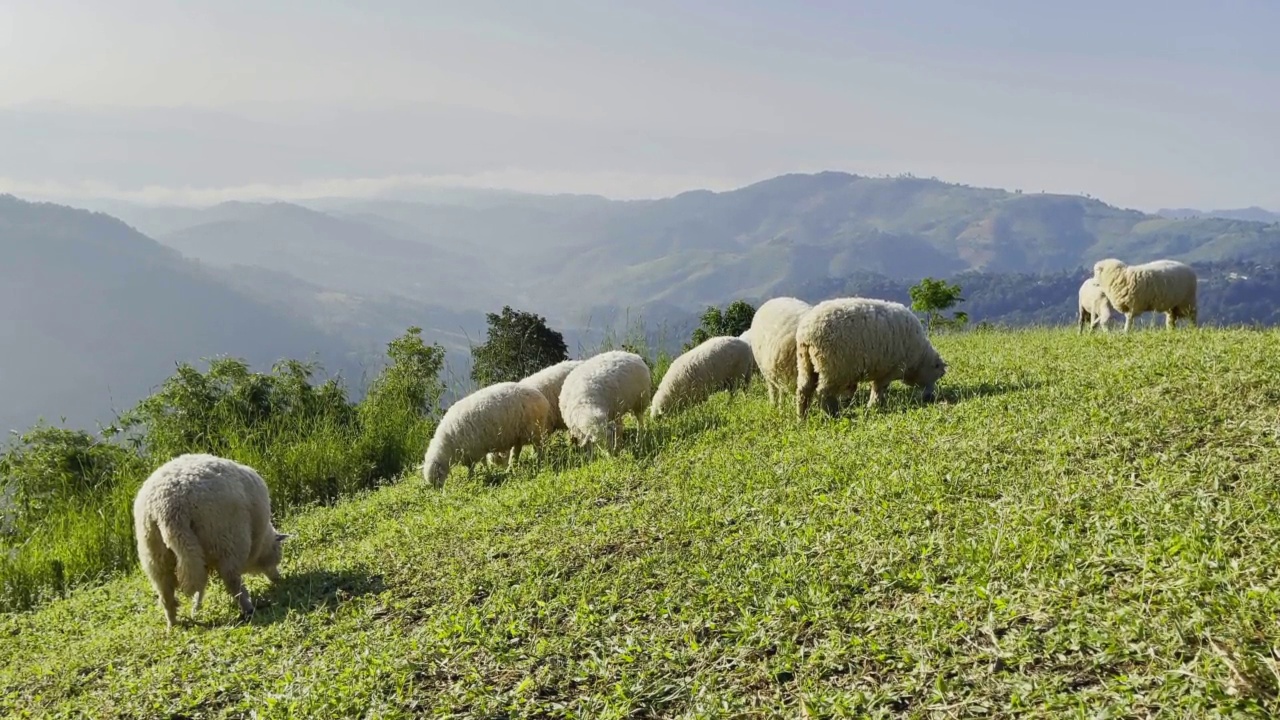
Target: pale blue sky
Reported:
point(1143, 104)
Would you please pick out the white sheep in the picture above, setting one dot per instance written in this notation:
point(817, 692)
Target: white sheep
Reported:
point(547, 381)
point(597, 393)
point(199, 512)
point(1166, 286)
point(773, 344)
point(1094, 310)
point(844, 341)
point(719, 363)
point(503, 416)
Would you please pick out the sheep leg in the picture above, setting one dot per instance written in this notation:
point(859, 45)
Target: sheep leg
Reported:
point(879, 388)
point(234, 584)
point(195, 605)
point(1128, 321)
point(807, 385)
point(1083, 318)
point(164, 585)
point(515, 453)
point(773, 394)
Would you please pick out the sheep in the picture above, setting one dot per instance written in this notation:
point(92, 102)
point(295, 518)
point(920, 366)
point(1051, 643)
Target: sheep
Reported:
point(1166, 286)
point(597, 393)
point(844, 341)
point(503, 416)
point(199, 512)
point(548, 381)
point(718, 363)
point(1094, 309)
point(773, 344)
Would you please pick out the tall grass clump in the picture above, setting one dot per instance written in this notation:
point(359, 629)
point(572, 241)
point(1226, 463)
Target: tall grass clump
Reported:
point(66, 496)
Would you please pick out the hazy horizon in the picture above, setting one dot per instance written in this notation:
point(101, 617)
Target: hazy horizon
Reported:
point(1142, 105)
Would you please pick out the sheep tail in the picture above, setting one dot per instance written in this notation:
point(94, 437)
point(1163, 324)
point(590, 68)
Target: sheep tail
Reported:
point(180, 537)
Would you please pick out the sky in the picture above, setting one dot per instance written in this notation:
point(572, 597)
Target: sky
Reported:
point(1140, 103)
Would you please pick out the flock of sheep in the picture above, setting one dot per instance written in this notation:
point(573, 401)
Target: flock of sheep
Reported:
point(201, 512)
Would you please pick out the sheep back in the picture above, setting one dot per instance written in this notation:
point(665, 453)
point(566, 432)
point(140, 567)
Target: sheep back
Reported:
point(1160, 286)
point(493, 419)
point(844, 341)
point(1093, 307)
point(715, 364)
point(548, 381)
point(200, 511)
point(773, 342)
point(602, 389)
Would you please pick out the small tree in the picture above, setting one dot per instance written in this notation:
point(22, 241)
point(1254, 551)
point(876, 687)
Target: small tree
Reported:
point(734, 320)
point(931, 297)
point(518, 344)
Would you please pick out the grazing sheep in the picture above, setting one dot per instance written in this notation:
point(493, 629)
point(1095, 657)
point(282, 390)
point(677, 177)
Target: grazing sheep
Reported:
point(199, 512)
point(1094, 309)
point(597, 393)
point(773, 344)
point(504, 416)
point(1166, 286)
point(842, 342)
point(548, 381)
point(716, 364)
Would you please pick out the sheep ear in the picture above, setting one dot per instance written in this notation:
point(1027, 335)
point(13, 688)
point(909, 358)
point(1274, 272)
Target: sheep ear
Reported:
point(281, 537)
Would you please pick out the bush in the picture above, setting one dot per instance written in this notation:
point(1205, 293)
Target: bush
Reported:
point(66, 505)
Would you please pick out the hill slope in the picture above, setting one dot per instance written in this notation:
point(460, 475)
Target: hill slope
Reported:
point(1050, 538)
point(98, 314)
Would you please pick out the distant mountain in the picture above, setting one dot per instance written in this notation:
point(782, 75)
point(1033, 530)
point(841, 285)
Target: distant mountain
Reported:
point(1249, 214)
point(97, 314)
point(563, 255)
point(702, 247)
point(371, 258)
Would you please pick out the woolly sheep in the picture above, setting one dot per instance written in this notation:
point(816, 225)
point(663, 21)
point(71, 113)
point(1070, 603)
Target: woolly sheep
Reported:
point(716, 364)
point(844, 341)
point(773, 344)
point(503, 416)
point(1094, 310)
point(1166, 286)
point(199, 512)
point(548, 381)
point(597, 393)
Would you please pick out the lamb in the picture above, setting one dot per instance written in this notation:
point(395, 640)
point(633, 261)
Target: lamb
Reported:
point(773, 344)
point(199, 512)
point(597, 393)
point(844, 341)
point(718, 363)
point(548, 381)
point(503, 416)
point(1094, 309)
point(1166, 286)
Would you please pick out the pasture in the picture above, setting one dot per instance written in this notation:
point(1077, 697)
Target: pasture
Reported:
point(1081, 526)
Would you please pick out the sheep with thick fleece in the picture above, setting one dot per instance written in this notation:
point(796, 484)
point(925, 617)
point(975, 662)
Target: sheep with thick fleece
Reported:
point(1166, 286)
point(199, 512)
point(597, 393)
point(548, 381)
point(844, 341)
point(719, 363)
point(503, 416)
point(1094, 310)
point(773, 344)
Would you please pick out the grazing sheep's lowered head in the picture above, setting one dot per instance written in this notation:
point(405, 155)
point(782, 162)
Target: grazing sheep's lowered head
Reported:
point(926, 373)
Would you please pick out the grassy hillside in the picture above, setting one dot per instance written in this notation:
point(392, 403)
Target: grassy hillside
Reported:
point(1084, 524)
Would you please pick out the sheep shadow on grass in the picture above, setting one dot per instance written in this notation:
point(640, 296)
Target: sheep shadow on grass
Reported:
point(949, 394)
point(311, 590)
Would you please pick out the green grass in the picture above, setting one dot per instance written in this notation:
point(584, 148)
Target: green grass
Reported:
point(1083, 527)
